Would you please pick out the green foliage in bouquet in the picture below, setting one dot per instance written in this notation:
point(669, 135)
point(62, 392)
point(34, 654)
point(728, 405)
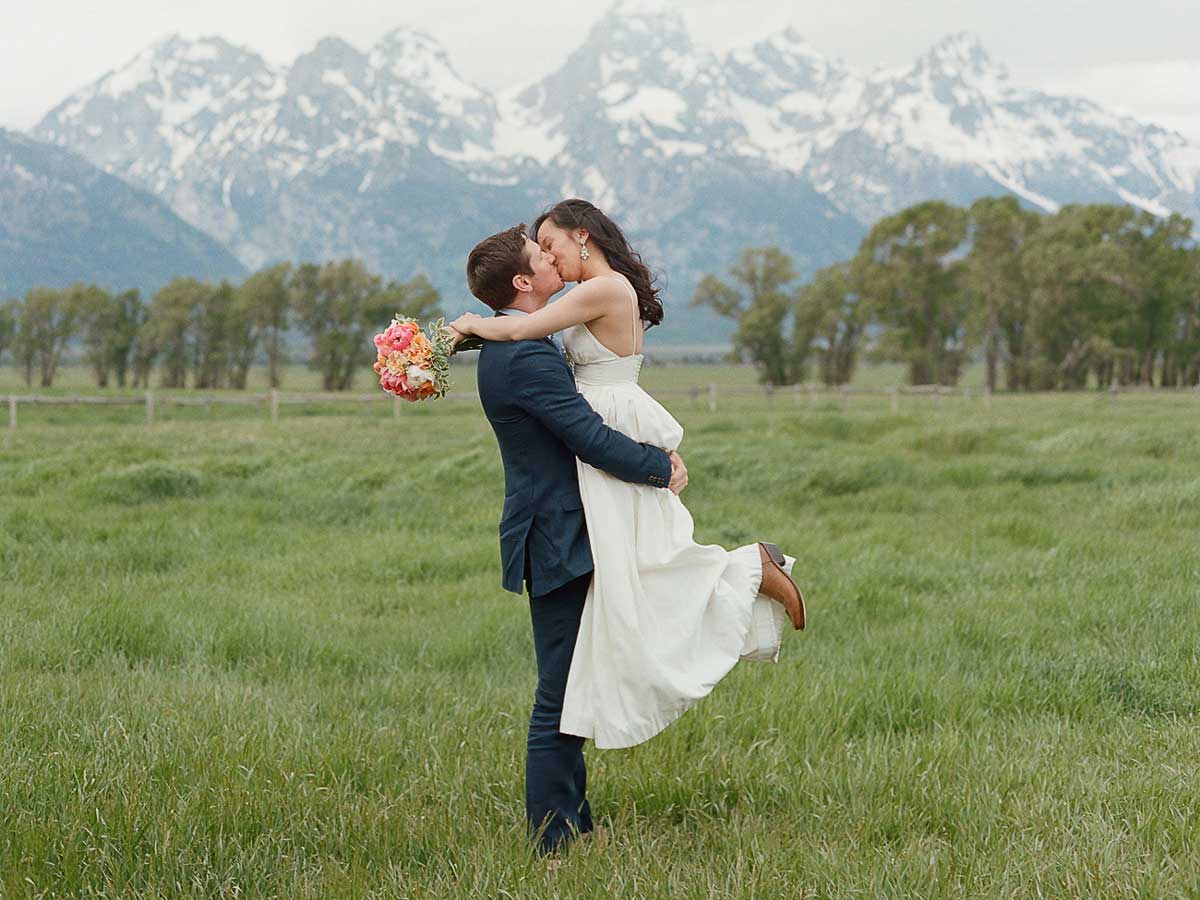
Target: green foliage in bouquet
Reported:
point(443, 347)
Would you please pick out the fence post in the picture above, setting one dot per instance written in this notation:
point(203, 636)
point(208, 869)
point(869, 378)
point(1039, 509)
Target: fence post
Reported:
point(895, 395)
point(274, 404)
point(149, 408)
point(987, 397)
point(395, 407)
point(812, 396)
point(796, 394)
point(12, 411)
point(936, 395)
point(712, 398)
point(845, 390)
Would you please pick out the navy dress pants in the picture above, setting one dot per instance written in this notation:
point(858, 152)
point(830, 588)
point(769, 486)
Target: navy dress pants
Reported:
point(556, 804)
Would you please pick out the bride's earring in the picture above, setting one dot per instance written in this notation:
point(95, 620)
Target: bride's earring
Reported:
point(583, 251)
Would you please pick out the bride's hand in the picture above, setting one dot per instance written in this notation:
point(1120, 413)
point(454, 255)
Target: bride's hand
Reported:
point(464, 322)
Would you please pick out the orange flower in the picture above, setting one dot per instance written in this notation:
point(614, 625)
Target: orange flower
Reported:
point(420, 351)
point(396, 362)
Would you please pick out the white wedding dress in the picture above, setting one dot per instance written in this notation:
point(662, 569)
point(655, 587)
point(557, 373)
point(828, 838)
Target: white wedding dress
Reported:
point(665, 618)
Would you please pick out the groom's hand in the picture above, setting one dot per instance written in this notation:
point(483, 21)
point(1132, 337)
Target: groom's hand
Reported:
point(678, 473)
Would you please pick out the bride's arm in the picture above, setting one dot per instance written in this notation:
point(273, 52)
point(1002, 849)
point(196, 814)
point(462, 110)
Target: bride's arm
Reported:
point(583, 303)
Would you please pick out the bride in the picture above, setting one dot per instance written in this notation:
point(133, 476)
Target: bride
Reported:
point(665, 618)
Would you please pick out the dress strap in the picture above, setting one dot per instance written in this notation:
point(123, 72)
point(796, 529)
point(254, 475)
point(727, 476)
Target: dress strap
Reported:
point(636, 314)
point(637, 321)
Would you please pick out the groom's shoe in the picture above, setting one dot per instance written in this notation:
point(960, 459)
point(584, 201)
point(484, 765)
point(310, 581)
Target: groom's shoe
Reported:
point(779, 586)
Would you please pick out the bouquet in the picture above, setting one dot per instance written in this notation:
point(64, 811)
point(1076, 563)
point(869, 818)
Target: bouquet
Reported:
point(413, 364)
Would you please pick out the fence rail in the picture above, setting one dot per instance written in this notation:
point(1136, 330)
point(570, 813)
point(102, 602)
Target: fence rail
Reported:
point(710, 395)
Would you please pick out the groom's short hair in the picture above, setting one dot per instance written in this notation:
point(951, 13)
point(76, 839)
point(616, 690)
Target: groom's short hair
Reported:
point(493, 264)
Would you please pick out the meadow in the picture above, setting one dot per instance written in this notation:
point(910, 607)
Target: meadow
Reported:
point(245, 659)
point(296, 377)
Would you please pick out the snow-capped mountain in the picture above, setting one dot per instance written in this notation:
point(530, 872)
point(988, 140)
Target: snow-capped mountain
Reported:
point(235, 144)
point(953, 126)
point(388, 154)
point(644, 123)
point(789, 98)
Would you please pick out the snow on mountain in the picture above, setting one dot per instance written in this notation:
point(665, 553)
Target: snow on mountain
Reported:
point(953, 125)
point(635, 108)
point(645, 124)
point(788, 97)
point(635, 105)
point(389, 154)
point(146, 119)
point(221, 134)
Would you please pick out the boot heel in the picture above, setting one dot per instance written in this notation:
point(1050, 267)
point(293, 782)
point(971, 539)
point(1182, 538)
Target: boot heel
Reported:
point(774, 552)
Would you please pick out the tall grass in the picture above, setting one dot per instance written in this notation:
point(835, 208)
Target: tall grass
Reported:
point(247, 660)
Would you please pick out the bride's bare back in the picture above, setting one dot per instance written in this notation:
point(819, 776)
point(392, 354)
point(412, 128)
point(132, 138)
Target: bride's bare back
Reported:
point(619, 329)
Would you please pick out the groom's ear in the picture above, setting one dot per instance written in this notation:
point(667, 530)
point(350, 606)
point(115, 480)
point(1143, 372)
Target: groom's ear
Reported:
point(522, 283)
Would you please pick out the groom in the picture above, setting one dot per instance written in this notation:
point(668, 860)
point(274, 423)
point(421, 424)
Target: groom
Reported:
point(542, 425)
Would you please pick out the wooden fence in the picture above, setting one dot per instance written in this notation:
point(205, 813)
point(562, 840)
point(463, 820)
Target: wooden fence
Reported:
point(712, 396)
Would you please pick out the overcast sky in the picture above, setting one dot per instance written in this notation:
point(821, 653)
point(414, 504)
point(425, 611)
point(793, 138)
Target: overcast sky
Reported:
point(1141, 58)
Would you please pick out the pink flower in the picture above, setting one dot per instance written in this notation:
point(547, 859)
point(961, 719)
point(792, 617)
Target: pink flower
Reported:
point(397, 336)
point(395, 383)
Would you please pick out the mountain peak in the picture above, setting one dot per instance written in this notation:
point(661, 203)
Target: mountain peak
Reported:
point(659, 21)
point(406, 38)
point(173, 64)
point(332, 48)
point(166, 45)
point(782, 64)
point(207, 48)
point(411, 53)
point(791, 44)
point(418, 60)
point(962, 53)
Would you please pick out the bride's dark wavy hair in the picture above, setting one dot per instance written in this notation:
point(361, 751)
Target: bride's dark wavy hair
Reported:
point(603, 231)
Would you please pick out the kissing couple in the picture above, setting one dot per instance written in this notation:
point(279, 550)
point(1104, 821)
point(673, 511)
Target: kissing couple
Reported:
point(633, 621)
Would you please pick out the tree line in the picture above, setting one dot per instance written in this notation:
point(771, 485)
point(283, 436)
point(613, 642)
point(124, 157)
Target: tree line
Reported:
point(206, 335)
point(1093, 294)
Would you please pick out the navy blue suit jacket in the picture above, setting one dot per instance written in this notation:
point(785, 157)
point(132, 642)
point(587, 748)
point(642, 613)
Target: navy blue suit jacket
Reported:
point(542, 424)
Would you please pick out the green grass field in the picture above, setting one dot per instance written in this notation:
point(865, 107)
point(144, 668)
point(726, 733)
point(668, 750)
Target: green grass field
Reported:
point(240, 659)
point(73, 379)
